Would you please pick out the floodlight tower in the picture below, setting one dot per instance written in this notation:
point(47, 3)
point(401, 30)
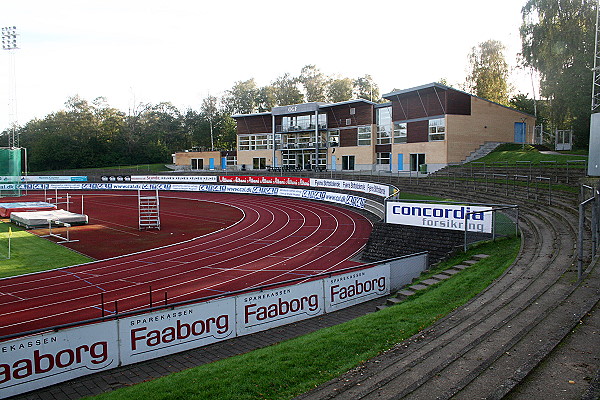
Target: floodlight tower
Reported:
point(9, 43)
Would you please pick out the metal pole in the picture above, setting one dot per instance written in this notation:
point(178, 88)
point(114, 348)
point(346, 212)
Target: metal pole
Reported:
point(517, 223)
point(594, 226)
point(580, 241)
point(465, 244)
point(493, 225)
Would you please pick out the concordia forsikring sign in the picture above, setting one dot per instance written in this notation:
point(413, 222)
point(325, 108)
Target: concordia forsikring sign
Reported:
point(440, 216)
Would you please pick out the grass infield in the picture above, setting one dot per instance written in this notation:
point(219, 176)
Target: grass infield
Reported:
point(30, 254)
point(290, 368)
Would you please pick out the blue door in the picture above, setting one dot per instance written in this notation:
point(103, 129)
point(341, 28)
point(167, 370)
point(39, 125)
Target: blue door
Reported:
point(211, 163)
point(333, 160)
point(223, 163)
point(400, 162)
point(520, 132)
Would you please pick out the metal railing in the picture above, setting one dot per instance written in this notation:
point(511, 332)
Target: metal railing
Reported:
point(589, 210)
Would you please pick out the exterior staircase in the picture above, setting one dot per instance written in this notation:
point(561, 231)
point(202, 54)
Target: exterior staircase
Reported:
point(482, 151)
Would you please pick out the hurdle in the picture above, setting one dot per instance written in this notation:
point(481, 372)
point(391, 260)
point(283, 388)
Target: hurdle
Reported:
point(62, 239)
point(67, 200)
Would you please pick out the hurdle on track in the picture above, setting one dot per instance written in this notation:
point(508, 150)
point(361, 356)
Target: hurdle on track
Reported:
point(63, 239)
point(59, 200)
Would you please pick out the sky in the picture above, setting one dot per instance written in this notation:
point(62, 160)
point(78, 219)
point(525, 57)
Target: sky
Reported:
point(180, 51)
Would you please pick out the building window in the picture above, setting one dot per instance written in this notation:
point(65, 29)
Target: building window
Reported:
point(297, 123)
point(259, 163)
point(231, 161)
point(334, 138)
point(437, 129)
point(256, 142)
point(400, 132)
point(364, 135)
point(383, 158)
point(348, 163)
point(384, 125)
point(352, 111)
point(197, 163)
point(348, 121)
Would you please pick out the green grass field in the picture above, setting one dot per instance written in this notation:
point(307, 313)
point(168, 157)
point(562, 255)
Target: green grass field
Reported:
point(30, 253)
point(513, 153)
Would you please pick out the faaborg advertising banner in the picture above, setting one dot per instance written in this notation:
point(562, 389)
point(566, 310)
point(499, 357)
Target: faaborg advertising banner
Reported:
point(440, 216)
point(270, 308)
point(165, 332)
point(356, 287)
point(43, 360)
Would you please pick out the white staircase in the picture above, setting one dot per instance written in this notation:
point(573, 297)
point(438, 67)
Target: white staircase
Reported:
point(149, 211)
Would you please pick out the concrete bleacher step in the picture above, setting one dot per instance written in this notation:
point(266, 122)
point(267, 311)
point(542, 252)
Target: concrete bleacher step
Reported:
point(451, 271)
point(393, 301)
point(417, 287)
point(462, 266)
point(404, 293)
point(401, 295)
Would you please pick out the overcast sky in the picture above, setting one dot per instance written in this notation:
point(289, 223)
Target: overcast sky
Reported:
point(132, 51)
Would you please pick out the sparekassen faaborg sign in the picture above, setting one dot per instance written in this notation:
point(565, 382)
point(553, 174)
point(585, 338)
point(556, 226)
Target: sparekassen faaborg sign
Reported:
point(52, 357)
point(440, 216)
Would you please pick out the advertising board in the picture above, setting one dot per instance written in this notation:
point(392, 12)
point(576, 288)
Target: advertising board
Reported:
point(356, 287)
point(364, 187)
point(173, 178)
point(159, 333)
point(266, 180)
point(440, 216)
point(258, 311)
point(38, 361)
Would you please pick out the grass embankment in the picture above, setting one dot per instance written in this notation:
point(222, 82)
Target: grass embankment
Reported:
point(512, 153)
point(30, 253)
point(287, 369)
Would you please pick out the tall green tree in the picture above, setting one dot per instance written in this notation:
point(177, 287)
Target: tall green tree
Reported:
point(366, 88)
point(488, 76)
point(286, 90)
point(558, 41)
point(266, 99)
point(340, 89)
point(314, 83)
point(241, 98)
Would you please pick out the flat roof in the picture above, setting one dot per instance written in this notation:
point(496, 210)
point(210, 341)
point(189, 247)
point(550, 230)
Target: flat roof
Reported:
point(250, 115)
point(416, 88)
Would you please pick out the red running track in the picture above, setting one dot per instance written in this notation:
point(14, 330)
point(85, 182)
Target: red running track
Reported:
point(276, 240)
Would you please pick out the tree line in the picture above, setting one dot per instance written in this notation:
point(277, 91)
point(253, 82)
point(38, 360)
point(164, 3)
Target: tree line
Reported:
point(557, 37)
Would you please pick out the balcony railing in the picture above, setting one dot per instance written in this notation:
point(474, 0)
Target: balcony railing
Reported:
point(296, 146)
point(298, 128)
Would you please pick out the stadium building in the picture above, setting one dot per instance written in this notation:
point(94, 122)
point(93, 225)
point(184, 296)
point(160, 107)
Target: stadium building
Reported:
point(425, 127)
